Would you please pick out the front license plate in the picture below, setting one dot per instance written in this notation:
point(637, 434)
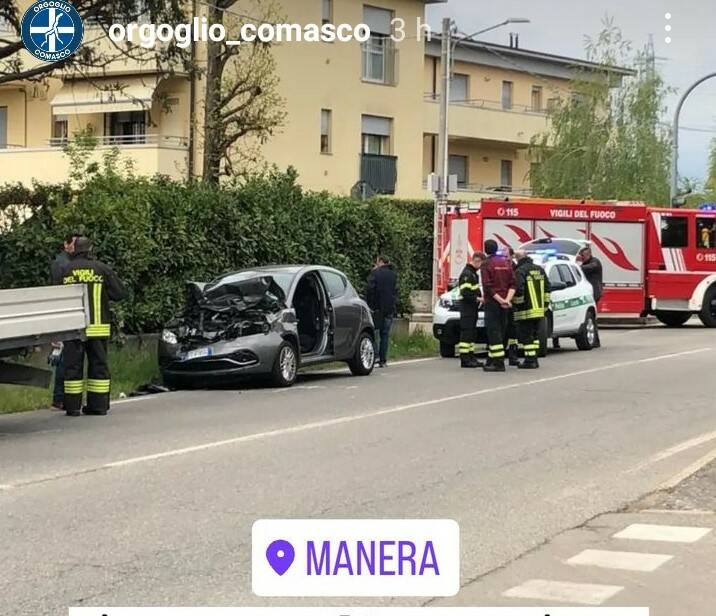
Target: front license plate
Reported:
point(197, 353)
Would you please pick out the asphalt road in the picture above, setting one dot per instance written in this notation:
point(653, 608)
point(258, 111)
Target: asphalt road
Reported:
point(154, 504)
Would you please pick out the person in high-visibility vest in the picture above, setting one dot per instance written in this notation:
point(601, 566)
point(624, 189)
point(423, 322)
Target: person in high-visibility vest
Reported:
point(470, 296)
point(532, 294)
point(103, 286)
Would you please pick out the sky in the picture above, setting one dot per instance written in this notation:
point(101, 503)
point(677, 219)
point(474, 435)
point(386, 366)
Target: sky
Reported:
point(560, 26)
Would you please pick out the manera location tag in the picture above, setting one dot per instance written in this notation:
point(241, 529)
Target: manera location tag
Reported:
point(355, 558)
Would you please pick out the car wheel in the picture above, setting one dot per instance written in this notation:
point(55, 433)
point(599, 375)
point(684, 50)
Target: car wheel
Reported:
point(285, 367)
point(447, 350)
point(543, 333)
point(708, 310)
point(672, 318)
point(363, 360)
point(587, 336)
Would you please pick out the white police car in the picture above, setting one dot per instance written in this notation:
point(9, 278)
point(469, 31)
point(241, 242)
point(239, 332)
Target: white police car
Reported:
point(571, 314)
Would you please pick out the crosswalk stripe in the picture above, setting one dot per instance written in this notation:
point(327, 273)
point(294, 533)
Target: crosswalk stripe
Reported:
point(627, 561)
point(564, 592)
point(658, 532)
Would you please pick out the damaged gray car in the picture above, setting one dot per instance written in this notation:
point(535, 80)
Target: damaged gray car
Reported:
point(268, 321)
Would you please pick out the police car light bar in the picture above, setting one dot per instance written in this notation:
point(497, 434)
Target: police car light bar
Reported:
point(707, 207)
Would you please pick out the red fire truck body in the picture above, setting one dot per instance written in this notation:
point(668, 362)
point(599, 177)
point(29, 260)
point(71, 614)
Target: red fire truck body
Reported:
point(655, 260)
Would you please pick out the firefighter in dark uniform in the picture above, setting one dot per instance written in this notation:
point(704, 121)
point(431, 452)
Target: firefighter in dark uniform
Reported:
point(469, 286)
point(532, 295)
point(498, 286)
point(103, 286)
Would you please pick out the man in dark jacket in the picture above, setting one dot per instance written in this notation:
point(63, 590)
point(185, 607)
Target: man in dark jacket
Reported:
point(382, 294)
point(103, 286)
point(60, 261)
point(498, 289)
point(470, 295)
point(592, 270)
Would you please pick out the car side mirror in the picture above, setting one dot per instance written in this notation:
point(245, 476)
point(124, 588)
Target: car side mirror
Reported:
point(558, 286)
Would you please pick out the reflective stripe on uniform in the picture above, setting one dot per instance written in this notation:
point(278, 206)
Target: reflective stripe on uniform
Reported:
point(74, 387)
point(97, 302)
point(523, 315)
point(465, 347)
point(496, 351)
point(467, 285)
point(98, 331)
point(98, 386)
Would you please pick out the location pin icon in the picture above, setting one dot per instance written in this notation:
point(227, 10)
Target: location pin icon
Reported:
point(280, 555)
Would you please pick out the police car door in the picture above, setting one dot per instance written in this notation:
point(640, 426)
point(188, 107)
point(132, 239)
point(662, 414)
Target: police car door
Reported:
point(571, 314)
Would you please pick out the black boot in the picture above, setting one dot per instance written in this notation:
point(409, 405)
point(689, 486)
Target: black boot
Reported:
point(495, 365)
point(512, 356)
point(530, 363)
point(468, 360)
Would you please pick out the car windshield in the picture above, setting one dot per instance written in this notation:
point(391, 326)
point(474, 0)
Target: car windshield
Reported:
point(565, 247)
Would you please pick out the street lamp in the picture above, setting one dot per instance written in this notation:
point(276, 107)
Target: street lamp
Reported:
point(443, 192)
point(675, 137)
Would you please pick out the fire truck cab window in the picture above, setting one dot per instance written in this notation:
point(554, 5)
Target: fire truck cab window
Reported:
point(706, 233)
point(674, 232)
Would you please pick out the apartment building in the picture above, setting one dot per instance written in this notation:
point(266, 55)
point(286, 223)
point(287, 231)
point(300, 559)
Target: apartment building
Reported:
point(357, 115)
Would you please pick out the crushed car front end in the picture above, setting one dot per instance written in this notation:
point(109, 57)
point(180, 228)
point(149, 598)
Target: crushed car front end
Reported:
point(228, 330)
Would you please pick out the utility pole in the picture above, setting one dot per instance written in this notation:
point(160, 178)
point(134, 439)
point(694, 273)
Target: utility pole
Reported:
point(675, 137)
point(442, 167)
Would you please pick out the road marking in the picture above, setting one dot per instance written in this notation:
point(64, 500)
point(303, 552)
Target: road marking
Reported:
point(680, 512)
point(690, 470)
point(627, 561)
point(565, 592)
point(658, 532)
point(138, 398)
point(327, 423)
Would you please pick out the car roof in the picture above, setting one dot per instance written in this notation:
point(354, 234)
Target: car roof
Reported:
point(267, 270)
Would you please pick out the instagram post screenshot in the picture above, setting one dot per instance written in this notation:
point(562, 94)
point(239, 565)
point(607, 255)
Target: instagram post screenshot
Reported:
point(357, 308)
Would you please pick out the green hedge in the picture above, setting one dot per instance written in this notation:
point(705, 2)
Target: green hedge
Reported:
point(158, 233)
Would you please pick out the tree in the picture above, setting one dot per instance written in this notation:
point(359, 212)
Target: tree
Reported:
point(607, 142)
point(14, 64)
point(242, 99)
point(710, 184)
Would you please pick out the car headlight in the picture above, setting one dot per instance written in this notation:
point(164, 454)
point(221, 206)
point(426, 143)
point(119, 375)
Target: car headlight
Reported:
point(169, 337)
point(446, 302)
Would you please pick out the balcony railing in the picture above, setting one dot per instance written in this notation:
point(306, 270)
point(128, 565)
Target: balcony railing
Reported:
point(165, 141)
point(379, 172)
point(482, 103)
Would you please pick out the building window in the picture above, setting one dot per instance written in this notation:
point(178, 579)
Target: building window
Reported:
point(326, 122)
point(376, 133)
point(125, 127)
point(378, 51)
point(706, 233)
point(507, 94)
point(3, 127)
point(536, 98)
point(460, 88)
point(326, 12)
point(506, 174)
point(60, 133)
point(674, 232)
point(552, 104)
point(458, 165)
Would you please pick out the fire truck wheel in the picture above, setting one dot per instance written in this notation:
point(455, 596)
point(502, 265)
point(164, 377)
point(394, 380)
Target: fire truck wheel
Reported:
point(587, 333)
point(708, 310)
point(447, 350)
point(671, 318)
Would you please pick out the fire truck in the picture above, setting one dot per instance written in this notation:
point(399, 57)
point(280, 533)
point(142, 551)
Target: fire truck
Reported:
point(656, 261)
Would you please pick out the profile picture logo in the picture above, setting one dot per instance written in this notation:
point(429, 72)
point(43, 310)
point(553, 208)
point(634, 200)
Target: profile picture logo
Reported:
point(52, 30)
